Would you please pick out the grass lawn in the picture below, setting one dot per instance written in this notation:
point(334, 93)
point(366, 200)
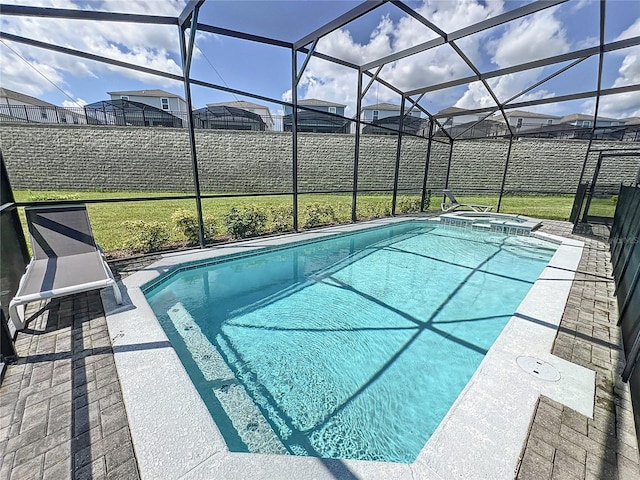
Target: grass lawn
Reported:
point(107, 219)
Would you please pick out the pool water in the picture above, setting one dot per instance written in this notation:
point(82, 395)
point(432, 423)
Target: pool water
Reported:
point(350, 347)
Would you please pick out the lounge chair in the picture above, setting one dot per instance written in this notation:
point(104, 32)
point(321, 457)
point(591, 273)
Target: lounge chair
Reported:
point(65, 258)
point(451, 204)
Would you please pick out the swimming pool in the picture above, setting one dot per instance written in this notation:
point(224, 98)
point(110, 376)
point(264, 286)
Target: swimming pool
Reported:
point(349, 347)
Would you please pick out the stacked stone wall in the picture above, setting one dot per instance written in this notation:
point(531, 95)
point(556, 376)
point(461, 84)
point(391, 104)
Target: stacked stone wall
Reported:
point(46, 157)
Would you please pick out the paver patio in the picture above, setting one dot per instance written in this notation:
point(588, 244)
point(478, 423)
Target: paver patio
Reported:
point(562, 443)
point(62, 415)
point(61, 409)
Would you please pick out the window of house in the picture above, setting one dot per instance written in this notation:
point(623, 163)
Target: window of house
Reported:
point(614, 124)
point(519, 124)
point(549, 122)
point(586, 123)
point(63, 118)
point(376, 114)
point(332, 109)
point(43, 113)
point(165, 103)
point(124, 97)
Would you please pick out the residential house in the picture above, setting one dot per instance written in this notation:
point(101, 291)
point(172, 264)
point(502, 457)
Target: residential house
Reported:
point(19, 107)
point(458, 121)
point(261, 110)
point(319, 105)
point(227, 118)
point(391, 125)
point(371, 113)
point(318, 117)
point(521, 120)
point(130, 113)
point(452, 116)
point(487, 127)
point(169, 102)
point(582, 120)
point(384, 119)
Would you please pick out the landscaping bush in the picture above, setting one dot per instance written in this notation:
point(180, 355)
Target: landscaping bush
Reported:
point(245, 222)
point(427, 200)
point(316, 214)
point(146, 237)
point(51, 196)
point(411, 204)
point(408, 204)
point(186, 223)
point(373, 210)
point(282, 218)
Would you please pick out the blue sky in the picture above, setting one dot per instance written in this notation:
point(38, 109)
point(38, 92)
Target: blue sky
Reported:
point(265, 70)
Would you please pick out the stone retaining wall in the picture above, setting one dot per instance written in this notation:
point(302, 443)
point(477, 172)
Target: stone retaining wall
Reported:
point(48, 157)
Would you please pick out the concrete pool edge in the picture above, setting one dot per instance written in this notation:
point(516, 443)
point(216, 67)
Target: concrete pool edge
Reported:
point(496, 426)
point(171, 444)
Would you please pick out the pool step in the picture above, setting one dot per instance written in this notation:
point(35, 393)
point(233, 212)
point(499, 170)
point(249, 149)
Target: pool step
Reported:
point(246, 418)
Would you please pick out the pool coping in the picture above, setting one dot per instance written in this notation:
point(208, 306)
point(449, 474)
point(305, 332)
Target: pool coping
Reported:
point(482, 435)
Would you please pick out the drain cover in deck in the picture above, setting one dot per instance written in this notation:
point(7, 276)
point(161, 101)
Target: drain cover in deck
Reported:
point(538, 368)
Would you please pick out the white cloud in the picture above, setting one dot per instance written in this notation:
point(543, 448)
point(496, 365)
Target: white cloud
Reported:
point(152, 46)
point(624, 104)
point(528, 39)
point(18, 75)
point(79, 102)
point(531, 38)
point(336, 83)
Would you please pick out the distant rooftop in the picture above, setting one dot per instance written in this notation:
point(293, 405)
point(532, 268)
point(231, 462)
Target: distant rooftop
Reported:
point(583, 116)
point(147, 93)
point(449, 111)
point(524, 113)
point(237, 104)
point(382, 106)
point(21, 97)
point(315, 102)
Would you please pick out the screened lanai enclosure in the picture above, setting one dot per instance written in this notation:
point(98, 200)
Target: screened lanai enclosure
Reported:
point(489, 103)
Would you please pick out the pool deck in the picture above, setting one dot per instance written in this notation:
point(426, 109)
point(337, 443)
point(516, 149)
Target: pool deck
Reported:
point(62, 413)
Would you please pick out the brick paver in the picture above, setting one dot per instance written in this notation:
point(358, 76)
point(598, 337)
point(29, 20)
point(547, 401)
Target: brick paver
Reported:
point(562, 443)
point(61, 409)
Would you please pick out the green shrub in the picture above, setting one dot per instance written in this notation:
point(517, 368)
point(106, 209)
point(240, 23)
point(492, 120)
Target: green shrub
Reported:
point(282, 218)
point(427, 200)
point(316, 214)
point(146, 236)
point(186, 223)
point(373, 210)
point(245, 222)
point(408, 204)
point(52, 196)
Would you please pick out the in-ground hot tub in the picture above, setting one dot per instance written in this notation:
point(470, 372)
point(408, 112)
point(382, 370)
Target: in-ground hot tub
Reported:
point(496, 222)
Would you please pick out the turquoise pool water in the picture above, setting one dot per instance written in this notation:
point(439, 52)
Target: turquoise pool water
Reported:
point(351, 347)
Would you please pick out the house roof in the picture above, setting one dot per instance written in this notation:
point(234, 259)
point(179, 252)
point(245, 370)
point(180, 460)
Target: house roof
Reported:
point(238, 104)
point(316, 102)
point(582, 116)
point(525, 114)
point(26, 99)
point(382, 106)
point(147, 93)
point(631, 121)
point(449, 111)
